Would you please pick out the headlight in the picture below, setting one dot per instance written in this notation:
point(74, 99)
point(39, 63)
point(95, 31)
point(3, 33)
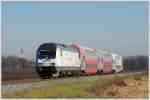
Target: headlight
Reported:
point(40, 64)
point(52, 64)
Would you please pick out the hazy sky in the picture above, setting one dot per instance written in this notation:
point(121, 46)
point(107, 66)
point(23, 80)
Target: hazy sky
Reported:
point(119, 27)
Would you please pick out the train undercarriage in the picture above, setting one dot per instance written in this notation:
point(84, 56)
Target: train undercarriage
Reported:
point(47, 72)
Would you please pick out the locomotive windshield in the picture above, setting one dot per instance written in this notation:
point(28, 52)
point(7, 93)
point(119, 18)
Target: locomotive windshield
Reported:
point(47, 54)
point(44, 52)
point(47, 50)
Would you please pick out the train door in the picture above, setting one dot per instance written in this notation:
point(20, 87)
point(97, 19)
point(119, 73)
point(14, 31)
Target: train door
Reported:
point(101, 65)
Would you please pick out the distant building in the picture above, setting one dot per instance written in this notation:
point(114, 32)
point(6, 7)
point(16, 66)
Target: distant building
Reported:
point(22, 54)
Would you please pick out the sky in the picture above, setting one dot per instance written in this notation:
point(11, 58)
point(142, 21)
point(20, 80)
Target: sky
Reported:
point(120, 27)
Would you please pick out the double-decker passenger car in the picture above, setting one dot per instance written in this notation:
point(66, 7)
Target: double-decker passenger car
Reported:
point(89, 59)
point(117, 65)
point(105, 63)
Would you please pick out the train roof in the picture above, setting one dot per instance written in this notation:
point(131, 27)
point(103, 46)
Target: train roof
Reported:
point(83, 47)
point(54, 45)
point(47, 45)
point(113, 54)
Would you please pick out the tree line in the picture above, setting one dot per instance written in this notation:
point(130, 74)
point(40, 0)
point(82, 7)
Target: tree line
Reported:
point(14, 62)
point(135, 63)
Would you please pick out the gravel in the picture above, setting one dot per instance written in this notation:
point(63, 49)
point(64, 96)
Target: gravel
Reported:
point(10, 89)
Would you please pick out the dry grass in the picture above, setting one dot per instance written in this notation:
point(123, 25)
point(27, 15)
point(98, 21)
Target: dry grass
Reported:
point(123, 87)
point(104, 84)
point(102, 88)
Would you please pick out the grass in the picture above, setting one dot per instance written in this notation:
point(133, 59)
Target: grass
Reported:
point(93, 89)
point(74, 90)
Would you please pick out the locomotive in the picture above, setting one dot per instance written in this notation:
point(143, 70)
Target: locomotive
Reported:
point(55, 59)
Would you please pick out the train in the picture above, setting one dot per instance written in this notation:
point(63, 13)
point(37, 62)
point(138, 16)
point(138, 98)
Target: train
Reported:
point(56, 60)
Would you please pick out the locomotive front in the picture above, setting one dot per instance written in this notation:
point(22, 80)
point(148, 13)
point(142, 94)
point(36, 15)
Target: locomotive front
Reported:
point(45, 59)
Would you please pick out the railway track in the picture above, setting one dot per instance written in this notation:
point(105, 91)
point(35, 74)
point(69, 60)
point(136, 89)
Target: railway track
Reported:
point(13, 88)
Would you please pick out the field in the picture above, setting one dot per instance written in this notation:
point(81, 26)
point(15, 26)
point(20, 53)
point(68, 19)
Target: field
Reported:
point(18, 76)
point(131, 86)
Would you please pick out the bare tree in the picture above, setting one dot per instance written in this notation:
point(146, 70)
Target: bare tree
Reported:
point(14, 62)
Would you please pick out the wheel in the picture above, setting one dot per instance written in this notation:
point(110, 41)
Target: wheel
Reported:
point(113, 71)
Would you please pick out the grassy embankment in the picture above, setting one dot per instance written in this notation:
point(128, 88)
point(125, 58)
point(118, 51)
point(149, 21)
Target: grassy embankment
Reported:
point(102, 88)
